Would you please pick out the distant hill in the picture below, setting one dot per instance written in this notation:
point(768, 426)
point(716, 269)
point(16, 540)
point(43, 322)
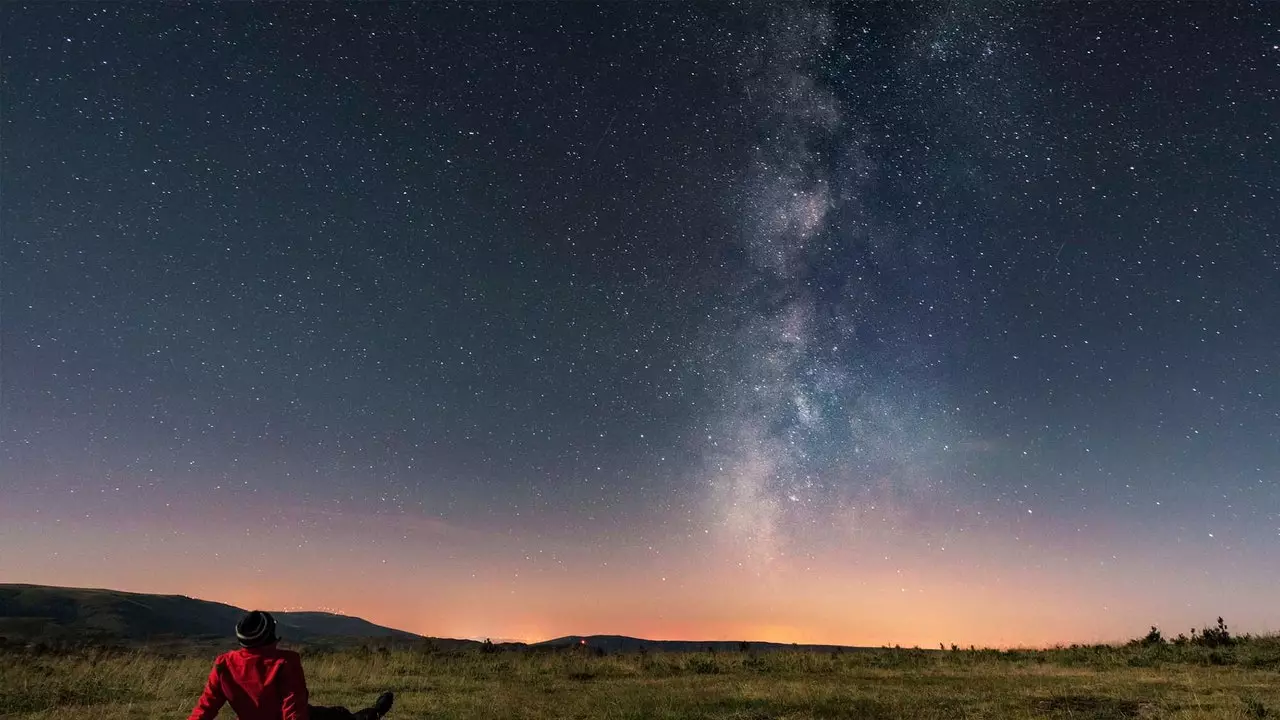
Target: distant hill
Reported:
point(79, 614)
point(82, 615)
point(624, 644)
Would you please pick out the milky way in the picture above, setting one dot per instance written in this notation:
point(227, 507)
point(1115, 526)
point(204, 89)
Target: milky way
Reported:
point(827, 423)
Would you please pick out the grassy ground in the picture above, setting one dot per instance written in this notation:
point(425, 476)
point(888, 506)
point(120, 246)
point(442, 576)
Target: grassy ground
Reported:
point(1159, 682)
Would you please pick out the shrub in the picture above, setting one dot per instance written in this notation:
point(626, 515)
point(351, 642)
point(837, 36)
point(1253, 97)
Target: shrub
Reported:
point(1214, 637)
point(703, 666)
point(1153, 637)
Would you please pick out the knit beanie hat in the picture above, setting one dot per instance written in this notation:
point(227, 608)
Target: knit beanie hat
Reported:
point(256, 628)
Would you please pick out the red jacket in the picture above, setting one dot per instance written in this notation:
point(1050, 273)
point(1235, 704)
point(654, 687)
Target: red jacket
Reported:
point(262, 683)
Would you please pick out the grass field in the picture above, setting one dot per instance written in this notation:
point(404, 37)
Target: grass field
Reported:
point(1164, 681)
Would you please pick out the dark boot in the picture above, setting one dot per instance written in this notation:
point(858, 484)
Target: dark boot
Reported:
point(381, 707)
point(383, 704)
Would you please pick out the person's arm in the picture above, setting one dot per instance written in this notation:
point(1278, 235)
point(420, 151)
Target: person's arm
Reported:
point(211, 700)
point(295, 692)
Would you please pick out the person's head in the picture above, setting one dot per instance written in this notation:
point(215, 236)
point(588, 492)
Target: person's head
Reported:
point(255, 629)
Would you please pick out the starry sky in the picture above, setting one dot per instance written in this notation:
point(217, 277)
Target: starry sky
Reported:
point(853, 323)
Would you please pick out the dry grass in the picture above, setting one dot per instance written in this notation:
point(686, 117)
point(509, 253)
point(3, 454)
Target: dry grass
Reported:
point(872, 685)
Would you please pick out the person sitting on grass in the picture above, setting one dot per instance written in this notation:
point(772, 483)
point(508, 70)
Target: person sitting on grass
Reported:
point(263, 682)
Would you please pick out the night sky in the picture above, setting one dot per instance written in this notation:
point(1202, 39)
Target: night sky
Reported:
point(864, 324)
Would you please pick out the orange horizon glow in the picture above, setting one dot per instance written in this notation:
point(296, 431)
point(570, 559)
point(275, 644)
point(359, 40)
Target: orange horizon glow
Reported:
point(643, 630)
point(452, 582)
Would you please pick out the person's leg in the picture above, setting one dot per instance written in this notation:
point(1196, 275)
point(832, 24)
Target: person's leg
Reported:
point(381, 707)
point(319, 712)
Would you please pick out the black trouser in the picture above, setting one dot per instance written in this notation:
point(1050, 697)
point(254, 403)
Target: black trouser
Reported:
point(340, 713)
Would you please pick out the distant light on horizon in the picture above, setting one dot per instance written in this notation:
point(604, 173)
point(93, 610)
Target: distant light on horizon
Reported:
point(302, 608)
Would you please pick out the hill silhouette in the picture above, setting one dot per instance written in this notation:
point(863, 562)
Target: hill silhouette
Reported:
point(78, 616)
point(42, 612)
point(626, 644)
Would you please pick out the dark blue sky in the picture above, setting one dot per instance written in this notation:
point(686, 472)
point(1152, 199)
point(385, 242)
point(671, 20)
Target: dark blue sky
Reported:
point(743, 279)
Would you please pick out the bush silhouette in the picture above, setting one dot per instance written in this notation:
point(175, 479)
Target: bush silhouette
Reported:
point(1214, 637)
point(1153, 637)
point(1210, 637)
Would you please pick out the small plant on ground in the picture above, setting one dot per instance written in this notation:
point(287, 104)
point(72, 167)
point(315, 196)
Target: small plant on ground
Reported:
point(1213, 637)
point(1153, 637)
